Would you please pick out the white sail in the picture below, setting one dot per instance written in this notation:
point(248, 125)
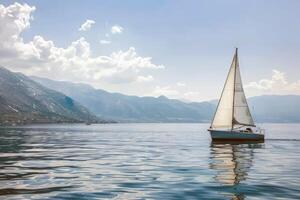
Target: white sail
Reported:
point(224, 113)
point(232, 109)
point(241, 115)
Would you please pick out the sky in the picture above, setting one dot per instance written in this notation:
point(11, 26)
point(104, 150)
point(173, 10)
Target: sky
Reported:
point(180, 49)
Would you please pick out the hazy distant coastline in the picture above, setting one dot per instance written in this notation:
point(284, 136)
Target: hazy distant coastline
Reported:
point(35, 100)
point(125, 108)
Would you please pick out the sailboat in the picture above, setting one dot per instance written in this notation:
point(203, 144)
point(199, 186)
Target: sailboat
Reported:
point(232, 119)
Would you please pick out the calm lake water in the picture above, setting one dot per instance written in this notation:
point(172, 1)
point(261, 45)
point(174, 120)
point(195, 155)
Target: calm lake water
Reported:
point(146, 161)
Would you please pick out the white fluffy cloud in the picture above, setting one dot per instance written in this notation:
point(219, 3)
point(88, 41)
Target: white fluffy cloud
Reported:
point(105, 41)
point(13, 20)
point(277, 84)
point(180, 84)
point(75, 62)
point(116, 29)
point(148, 78)
point(87, 25)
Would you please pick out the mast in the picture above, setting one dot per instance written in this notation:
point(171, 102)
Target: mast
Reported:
point(234, 80)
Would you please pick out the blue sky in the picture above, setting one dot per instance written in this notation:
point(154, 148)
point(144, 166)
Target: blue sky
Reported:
point(193, 40)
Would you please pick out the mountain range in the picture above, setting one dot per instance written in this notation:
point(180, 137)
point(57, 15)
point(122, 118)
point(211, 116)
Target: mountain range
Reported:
point(24, 101)
point(39, 100)
point(124, 108)
point(275, 108)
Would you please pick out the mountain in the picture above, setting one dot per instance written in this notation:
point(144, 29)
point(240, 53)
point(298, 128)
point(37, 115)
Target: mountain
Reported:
point(23, 100)
point(266, 108)
point(126, 108)
point(275, 108)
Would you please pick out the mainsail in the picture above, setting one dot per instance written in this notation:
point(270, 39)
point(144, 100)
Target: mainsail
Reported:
point(232, 110)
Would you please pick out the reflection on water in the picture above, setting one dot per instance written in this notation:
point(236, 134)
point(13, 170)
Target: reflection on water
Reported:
point(145, 161)
point(232, 163)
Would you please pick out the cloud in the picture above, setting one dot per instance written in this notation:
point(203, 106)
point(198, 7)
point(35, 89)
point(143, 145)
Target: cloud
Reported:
point(148, 78)
point(86, 25)
point(116, 29)
point(75, 62)
point(180, 84)
point(277, 84)
point(105, 41)
point(13, 20)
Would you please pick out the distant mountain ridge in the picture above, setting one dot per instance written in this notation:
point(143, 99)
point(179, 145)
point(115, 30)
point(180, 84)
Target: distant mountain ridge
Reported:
point(23, 101)
point(275, 108)
point(124, 108)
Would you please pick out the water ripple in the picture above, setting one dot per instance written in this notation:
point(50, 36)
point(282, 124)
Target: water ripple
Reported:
point(145, 161)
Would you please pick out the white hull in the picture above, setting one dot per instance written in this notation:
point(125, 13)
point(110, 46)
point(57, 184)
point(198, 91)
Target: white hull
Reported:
point(235, 136)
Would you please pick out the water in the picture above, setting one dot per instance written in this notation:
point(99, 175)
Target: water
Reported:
point(146, 161)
